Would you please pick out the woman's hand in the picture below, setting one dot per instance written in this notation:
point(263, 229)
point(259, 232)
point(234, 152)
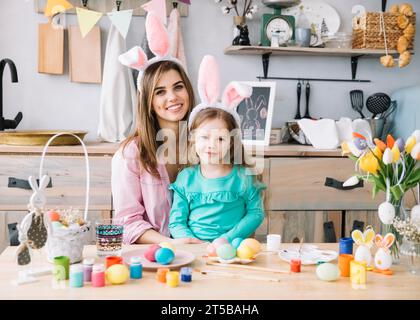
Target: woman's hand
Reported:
point(187, 241)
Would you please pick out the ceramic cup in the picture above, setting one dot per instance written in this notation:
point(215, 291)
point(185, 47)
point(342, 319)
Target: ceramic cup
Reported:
point(273, 242)
point(303, 37)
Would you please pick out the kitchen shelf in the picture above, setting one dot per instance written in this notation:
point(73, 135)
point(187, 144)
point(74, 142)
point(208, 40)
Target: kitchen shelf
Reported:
point(266, 52)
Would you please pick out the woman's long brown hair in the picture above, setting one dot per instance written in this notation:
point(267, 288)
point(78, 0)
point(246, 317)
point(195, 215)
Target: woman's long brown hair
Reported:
point(147, 125)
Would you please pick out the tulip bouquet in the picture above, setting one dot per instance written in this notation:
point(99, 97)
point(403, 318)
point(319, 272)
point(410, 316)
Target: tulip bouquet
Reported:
point(390, 166)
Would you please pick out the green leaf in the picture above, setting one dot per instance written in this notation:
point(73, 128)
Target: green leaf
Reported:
point(396, 192)
point(414, 177)
point(375, 191)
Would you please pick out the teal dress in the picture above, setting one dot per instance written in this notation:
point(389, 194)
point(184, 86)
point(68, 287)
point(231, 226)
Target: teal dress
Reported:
point(210, 208)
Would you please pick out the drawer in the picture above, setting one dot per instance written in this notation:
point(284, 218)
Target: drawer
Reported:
point(298, 184)
point(68, 176)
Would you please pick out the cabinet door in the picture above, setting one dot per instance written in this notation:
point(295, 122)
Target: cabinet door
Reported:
point(298, 184)
point(68, 175)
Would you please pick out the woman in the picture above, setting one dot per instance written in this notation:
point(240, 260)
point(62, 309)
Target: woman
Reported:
point(140, 178)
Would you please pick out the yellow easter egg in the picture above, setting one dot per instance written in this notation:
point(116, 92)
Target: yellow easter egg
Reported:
point(167, 245)
point(253, 244)
point(117, 274)
point(244, 252)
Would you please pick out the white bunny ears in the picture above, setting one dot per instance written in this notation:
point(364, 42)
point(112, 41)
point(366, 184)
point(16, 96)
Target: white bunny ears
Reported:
point(209, 91)
point(38, 199)
point(159, 44)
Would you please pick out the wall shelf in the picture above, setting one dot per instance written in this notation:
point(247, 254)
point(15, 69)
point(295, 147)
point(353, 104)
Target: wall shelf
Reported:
point(266, 52)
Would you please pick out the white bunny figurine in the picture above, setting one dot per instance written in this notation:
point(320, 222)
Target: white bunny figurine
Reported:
point(38, 199)
point(364, 241)
point(383, 259)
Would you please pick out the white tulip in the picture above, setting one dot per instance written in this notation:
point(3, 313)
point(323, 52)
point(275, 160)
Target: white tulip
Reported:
point(416, 134)
point(388, 156)
point(352, 181)
point(415, 151)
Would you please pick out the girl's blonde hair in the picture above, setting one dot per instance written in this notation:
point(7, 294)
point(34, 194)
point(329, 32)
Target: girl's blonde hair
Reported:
point(147, 125)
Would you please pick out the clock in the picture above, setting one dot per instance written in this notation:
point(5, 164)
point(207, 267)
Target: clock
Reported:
point(283, 25)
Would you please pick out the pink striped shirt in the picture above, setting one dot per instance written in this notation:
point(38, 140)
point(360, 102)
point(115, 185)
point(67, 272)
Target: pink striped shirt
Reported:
point(142, 200)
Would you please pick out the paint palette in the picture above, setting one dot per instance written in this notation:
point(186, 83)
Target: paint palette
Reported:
point(234, 260)
point(182, 258)
point(309, 254)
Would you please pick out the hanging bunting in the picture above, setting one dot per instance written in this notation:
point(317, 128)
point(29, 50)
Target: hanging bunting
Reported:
point(56, 6)
point(87, 20)
point(121, 20)
point(158, 7)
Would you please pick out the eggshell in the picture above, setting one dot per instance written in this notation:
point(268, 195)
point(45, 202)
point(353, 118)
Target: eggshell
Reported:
point(117, 274)
point(164, 256)
point(226, 251)
point(237, 242)
point(244, 252)
point(219, 241)
point(54, 216)
point(57, 225)
point(211, 251)
point(383, 260)
point(253, 244)
point(415, 214)
point(327, 272)
point(149, 254)
point(386, 212)
point(167, 245)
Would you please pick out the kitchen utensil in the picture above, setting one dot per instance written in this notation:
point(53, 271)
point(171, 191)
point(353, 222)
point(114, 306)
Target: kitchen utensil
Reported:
point(378, 103)
point(357, 102)
point(376, 126)
point(39, 137)
point(85, 55)
point(50, 48)
point(280, 3)
point(390, 110)
point(299, 91)
point(307, 93)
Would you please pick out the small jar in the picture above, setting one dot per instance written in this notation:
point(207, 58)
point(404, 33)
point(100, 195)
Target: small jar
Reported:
point(98, 275)
point(111, 260)
point(172, 278)
point(161, 274)
point(61, 267)
point(136, 268)
point(76, 275)
point(186, 274)
point(87, 269)
point(295, 265)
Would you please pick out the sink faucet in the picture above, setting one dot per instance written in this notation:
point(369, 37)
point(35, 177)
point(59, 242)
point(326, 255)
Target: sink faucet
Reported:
point(5, 123)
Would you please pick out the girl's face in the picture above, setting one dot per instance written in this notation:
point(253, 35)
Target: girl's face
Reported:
point(170, 98)
point(212, 142)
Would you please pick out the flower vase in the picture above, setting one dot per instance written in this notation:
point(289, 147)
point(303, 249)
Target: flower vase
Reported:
point(410, 254)
point(240, 32)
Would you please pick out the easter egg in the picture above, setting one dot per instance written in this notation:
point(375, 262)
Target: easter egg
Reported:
point(236, 242)
point(383, 260)
point(244, 252)
point(117, 274)
point(167, 245)
point(211, 250)
point(415, 214)
point(226, 251)
point(164, 256)
point(253, 244)
point(386, 212)
point(327, 272)
point(54, 216)
point(57, 225)
point(219, 241)
point(149, 254)
point(360, 144)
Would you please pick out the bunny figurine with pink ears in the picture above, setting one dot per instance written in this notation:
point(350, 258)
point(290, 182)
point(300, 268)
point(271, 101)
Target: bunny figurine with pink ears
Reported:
point(159, 44)
point(383, 259)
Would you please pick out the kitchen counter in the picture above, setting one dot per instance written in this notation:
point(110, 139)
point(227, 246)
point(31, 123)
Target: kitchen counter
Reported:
point(99, 148)
point(304, 285)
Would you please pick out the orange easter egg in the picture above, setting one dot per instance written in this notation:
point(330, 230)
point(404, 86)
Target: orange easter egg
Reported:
point(255, 245)
point(244, 252)
point(53, 215)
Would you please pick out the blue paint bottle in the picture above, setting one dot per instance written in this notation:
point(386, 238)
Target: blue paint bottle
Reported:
point(136, 268)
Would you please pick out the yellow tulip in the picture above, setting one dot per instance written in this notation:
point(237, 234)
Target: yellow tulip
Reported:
point(395, 153)
point(378, 152)
point(369, 163)
point(345, 148)
point(411, 142)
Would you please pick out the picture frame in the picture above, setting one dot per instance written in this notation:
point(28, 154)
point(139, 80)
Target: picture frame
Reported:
point(256, 113)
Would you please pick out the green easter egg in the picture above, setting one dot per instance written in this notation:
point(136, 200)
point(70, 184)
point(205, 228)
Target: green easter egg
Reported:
point(327, 272)
point(226, 251)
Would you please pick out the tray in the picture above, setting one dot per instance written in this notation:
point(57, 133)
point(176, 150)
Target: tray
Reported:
point(39, 137)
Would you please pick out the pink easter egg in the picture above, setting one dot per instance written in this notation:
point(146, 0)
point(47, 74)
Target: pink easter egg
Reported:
point(211, 251)
point(149, 254)
point(219, 241)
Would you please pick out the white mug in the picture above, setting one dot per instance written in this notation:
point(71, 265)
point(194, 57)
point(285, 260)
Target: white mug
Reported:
point(273, 242)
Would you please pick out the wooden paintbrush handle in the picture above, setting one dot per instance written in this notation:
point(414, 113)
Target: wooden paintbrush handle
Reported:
point(239, 266)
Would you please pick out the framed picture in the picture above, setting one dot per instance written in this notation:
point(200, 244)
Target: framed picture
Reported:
point(256, 113)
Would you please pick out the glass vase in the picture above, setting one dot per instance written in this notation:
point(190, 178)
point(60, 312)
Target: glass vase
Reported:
point(410, 255)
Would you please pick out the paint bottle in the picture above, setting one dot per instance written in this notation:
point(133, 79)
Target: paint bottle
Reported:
point(61, 267)
point(161, 274)
point(76, 275)
point(87, 269)
point(111, 260)
point(172, 278)
point(186, 274)
point(136, 268)
point(345, 246)
point(98, 275)
point(295, 265)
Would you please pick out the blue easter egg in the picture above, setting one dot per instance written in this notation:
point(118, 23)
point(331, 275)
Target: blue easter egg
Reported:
point(236, 242)
point(164, 256)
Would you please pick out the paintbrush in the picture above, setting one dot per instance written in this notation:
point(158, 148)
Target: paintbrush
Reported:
point(239, 266)
point(238, 276)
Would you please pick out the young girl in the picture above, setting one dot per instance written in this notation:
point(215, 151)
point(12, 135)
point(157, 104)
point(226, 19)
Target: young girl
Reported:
point(218, 197)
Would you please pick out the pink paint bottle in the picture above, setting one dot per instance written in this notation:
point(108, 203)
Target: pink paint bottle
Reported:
point(98, 275)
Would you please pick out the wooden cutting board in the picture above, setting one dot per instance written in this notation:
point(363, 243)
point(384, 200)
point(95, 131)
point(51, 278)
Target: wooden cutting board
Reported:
point(50, 48)
point(85, 55)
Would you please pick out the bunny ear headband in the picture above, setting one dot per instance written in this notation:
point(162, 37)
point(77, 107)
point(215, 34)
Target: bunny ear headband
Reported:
point(209, 91)
point(158, 39)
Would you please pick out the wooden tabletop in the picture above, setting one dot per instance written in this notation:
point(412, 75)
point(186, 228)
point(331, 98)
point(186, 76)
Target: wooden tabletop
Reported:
point(304, 285)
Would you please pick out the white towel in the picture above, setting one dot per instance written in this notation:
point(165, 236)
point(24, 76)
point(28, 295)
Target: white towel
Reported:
point(322, 133)
point(118, 96)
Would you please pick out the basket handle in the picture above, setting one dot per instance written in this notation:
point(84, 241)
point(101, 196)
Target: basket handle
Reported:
point(86, 162)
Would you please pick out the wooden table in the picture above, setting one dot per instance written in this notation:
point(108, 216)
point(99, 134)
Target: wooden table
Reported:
point(304, 285)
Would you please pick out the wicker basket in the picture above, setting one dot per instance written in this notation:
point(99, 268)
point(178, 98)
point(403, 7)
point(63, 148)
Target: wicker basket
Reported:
point(370, 35)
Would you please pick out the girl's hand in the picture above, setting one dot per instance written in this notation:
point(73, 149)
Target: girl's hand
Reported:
point(187, 241)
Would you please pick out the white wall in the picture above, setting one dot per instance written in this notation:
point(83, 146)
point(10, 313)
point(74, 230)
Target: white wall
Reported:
point(53, 102)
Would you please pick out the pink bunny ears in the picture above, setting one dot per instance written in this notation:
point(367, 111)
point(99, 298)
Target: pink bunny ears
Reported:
point(209, 91)
point(159, 44)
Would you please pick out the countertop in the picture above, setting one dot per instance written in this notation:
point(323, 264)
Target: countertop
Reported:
point(303, 285)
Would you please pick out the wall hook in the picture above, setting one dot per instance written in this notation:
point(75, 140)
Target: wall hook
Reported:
point(84, 2)
point(118, 5)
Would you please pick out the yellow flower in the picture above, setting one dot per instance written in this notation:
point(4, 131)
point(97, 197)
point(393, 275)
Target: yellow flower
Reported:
point(411, 142)
point(345, 148)
point(369, 163)
point(395, 153)
point(378, 152)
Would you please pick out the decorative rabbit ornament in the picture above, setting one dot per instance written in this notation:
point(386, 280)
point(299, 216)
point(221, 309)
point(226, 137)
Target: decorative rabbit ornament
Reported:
point(383, 259)
point(386, 210)
point(32, 230)
point(364, 241)
point(209, 91)
point(159, 44)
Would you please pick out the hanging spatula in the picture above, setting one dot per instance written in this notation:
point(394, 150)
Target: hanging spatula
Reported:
point(378, 103)
point(356, 98)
